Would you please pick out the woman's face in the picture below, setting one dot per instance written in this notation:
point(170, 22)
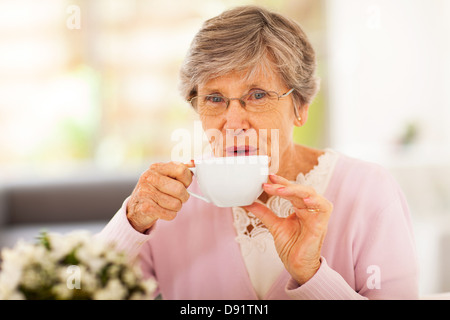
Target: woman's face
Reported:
point(241, 132)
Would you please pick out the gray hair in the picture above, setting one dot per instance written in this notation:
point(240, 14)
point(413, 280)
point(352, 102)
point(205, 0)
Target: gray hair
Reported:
point(251, 38)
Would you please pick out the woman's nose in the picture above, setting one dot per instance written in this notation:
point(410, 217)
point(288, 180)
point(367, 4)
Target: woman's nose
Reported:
point(235, 115)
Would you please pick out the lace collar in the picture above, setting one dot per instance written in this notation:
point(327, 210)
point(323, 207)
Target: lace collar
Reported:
point(250, 230)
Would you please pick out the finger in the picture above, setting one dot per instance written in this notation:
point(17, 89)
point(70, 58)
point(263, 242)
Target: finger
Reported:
point(190, 164)
point(272, 188)
point(316, 215)
point(164, 213)
point(148, 209)
point(279, 180)
point(168, 186)
point(175, 170)
point(162, 199)
point(267, 217)
point(318, 204)
point(314, 222)
point(293, 192)
point(297, 190)
point(312, 204)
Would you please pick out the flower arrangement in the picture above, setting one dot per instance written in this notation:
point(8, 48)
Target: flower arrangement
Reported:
point(75, 266)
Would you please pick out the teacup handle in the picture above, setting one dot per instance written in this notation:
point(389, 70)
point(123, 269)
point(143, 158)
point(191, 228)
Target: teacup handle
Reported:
point(196, 195)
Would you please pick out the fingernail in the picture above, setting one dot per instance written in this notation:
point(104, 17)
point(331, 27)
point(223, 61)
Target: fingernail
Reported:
point(307, 199)
point(281, 189)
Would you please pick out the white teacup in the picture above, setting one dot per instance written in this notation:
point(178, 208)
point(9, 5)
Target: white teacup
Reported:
point(231, 181)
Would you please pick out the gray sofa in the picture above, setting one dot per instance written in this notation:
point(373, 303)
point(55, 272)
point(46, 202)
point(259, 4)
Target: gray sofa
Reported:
point(59, 206)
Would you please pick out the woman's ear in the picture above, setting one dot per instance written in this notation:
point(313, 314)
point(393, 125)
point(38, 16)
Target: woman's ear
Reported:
point(301, 115)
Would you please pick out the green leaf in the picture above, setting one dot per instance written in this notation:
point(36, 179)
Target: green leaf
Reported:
point(44, 240)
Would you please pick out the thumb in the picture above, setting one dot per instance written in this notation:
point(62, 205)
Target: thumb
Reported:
point(267, 217)
point(190, 164)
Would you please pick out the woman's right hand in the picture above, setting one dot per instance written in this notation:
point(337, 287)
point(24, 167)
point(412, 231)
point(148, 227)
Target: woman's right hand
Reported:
point(159, 194)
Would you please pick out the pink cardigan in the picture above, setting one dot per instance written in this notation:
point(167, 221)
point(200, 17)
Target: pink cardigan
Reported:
point(368, 251)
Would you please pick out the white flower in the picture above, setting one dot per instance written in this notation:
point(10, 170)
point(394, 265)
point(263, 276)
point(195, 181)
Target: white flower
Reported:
point(8, 293)
point(89, 280)
point(114, 290)
point(71, 266)
point(62, 291)
point(129, 277)
point(93, 262)
point(15, 261)
point(150, 286)
point(60, 247)
point(11, 272)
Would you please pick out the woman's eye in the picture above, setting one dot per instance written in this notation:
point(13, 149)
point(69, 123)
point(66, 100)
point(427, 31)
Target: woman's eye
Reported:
point(257, 95)
point(215, 99)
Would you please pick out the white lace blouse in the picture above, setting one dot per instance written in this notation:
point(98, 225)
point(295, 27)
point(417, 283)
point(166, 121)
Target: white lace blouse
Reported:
point(256, 243)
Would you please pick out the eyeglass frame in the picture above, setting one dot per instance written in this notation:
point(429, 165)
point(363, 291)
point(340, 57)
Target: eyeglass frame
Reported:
point(242, 102)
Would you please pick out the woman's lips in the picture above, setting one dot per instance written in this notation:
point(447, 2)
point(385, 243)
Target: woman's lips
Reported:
point(241, 151)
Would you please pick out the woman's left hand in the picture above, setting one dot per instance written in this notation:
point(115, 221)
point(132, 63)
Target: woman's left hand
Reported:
point(299, 237)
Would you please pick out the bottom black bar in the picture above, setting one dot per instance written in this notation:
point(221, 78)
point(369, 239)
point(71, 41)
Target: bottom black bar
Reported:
point(220, 309)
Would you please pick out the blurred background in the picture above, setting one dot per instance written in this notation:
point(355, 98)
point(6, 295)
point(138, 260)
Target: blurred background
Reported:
point(89, 98)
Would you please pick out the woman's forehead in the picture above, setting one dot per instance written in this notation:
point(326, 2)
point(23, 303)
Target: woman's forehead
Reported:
point(245, 79)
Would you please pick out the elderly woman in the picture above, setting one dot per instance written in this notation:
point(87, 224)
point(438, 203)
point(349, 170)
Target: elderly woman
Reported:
point(326, 226)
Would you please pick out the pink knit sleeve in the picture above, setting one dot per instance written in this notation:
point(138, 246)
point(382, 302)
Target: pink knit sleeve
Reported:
point(126, 238)
point(326, 284)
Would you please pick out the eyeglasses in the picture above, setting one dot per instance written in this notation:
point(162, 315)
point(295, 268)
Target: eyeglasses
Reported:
point(255, 101)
